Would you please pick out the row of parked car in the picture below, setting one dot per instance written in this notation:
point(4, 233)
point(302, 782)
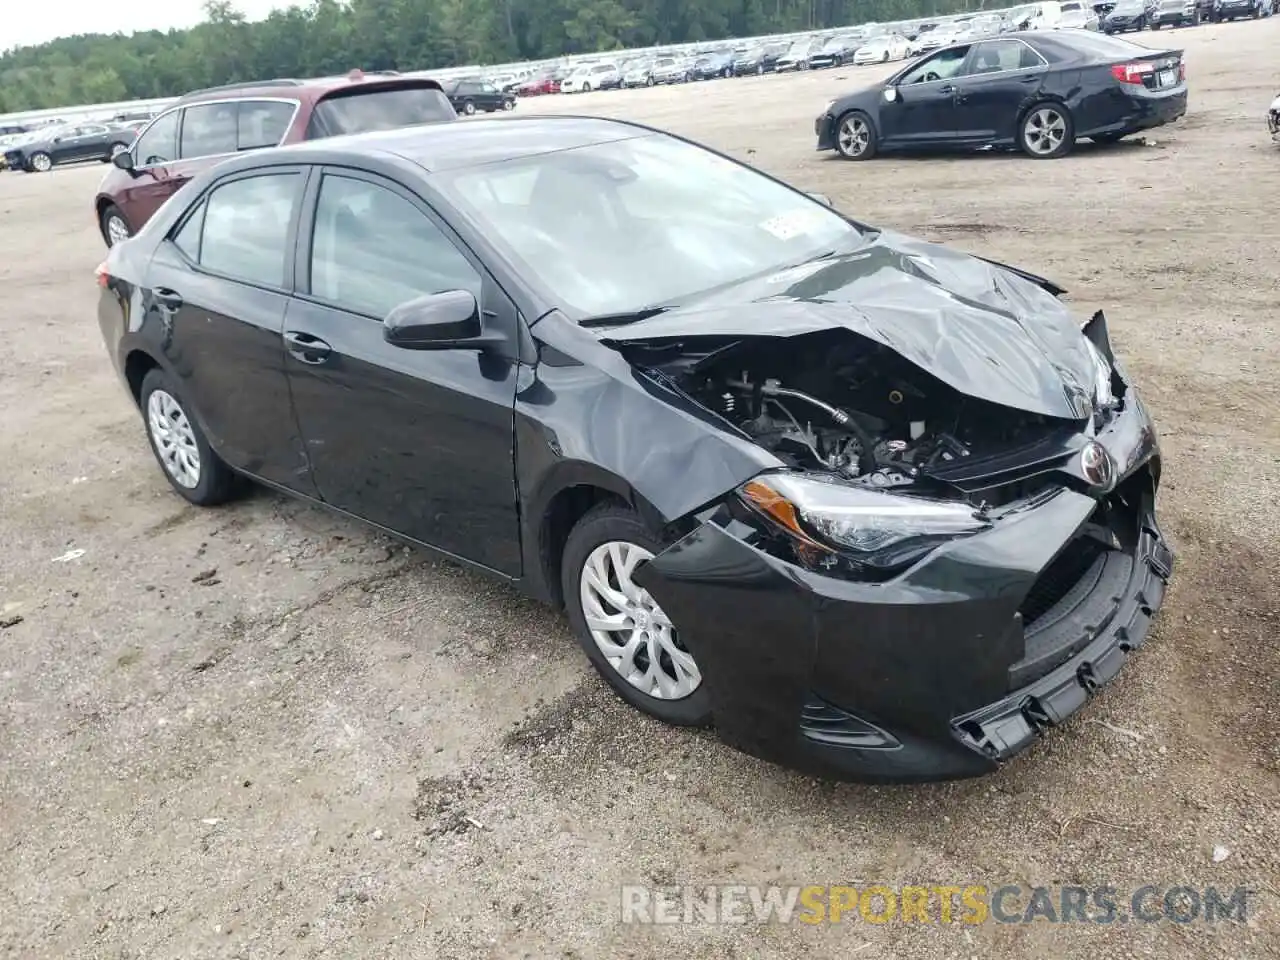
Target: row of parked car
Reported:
point(1129, 15)
point(858, 45)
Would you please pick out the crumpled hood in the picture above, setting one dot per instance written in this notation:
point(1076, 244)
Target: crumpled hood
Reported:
point(980, 328)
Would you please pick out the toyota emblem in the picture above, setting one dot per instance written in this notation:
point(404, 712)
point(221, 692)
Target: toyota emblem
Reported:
point(1097, 466)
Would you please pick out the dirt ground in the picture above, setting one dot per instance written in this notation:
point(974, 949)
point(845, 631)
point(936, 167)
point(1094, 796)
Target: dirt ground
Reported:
point(330, 746)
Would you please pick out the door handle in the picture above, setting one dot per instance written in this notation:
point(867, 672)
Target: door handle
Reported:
point(307, 348)
point(169, 299)
point(947, 89)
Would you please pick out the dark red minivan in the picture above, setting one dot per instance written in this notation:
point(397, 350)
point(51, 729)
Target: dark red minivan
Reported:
point(210, 125)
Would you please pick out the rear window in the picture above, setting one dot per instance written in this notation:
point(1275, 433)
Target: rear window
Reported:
point(362, 111)
point(1108, 48)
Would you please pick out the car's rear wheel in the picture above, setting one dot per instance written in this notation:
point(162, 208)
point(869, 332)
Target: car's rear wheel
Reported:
point(629, 638)
point(189, 463)
point(40, 163)
point(115, 151)
point(856, 136)
point(115, 228)
point(469, 108)
point(508, 104)
point(1046, 132)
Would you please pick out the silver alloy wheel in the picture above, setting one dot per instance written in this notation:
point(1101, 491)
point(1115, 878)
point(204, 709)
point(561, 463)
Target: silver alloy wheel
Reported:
point(117, 149)
point(41, 163)
point(174, 439)
point(1044, 130)
point(630, 629)
point(117, 230)
point(469, 108)
point(854, 135)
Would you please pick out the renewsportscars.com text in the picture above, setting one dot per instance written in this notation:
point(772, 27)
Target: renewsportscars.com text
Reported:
point(937, 904)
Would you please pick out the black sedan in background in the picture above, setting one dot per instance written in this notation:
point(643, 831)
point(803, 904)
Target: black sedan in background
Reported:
point(471, 95)
point(68, 143)
point(1037, 91)
point(872, 507)
point(1125, 16)
point(759, 59)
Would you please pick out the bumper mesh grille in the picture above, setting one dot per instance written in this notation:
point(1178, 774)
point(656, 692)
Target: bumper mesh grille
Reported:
point(1060, 578)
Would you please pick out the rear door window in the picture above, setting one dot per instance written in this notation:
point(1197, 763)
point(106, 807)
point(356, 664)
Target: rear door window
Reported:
point(381, 108)
point(262, 123)
point(245, 232)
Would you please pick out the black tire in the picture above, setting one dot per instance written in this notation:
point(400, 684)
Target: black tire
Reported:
point(37, 160)
point(1068, 135)
point(1155, 26)
point(872, 143)
point(109, 213)
point(600, 525)
point(469, 108)
point(217, 483)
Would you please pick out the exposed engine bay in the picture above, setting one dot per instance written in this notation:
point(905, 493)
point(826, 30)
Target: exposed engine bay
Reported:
point(840, 403)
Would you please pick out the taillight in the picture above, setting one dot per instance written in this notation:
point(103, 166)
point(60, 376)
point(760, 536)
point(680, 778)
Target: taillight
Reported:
point(101, 275)
point(1132, 72)
point(1182, 70)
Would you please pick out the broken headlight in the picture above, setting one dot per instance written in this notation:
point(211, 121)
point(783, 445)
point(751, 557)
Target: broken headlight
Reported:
point(1102, 395)
point(878, 533)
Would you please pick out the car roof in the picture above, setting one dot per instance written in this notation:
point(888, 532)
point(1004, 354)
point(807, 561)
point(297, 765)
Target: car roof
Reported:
point(451, 146)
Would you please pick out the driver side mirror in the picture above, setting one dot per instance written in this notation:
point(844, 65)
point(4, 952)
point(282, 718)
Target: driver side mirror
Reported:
point(124, 160)
point(890, 94)
point(438, 321)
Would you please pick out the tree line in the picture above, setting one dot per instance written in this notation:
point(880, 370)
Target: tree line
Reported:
point(331, 37)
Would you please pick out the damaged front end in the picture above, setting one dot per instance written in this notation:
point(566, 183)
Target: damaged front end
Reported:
point(946, 560)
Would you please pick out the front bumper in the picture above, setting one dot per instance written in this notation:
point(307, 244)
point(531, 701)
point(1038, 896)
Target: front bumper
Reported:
point(944, 671)
point(824, 128)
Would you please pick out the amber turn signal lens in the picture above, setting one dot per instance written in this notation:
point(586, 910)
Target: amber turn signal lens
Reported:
point(781, 510)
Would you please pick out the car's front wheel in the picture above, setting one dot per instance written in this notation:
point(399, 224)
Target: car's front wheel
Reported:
point(855, 136)
point(1047, 132)
point(629, 639)
point(40, 163)
point(190, 465)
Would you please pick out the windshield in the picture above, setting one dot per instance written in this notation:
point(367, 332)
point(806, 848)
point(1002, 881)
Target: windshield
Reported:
point(362, 111)
point(616, 227)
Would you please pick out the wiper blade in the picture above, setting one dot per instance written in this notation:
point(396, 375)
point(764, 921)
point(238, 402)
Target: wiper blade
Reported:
point(618, 319)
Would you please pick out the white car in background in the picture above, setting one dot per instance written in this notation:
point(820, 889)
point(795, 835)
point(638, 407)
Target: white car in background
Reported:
point(882, 49)
point(1077, 16)
point(591, 78)
point(1045, 16)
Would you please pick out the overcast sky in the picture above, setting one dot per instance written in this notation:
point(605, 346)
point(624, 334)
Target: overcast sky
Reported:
point(25, 22)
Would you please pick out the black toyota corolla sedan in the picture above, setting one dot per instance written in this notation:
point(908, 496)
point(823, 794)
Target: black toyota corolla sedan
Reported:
point(871, 507)
point(1037, 91)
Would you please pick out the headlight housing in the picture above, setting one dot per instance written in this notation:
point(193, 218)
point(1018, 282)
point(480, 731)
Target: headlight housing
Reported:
point(1102, 393)
point(834, 525)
